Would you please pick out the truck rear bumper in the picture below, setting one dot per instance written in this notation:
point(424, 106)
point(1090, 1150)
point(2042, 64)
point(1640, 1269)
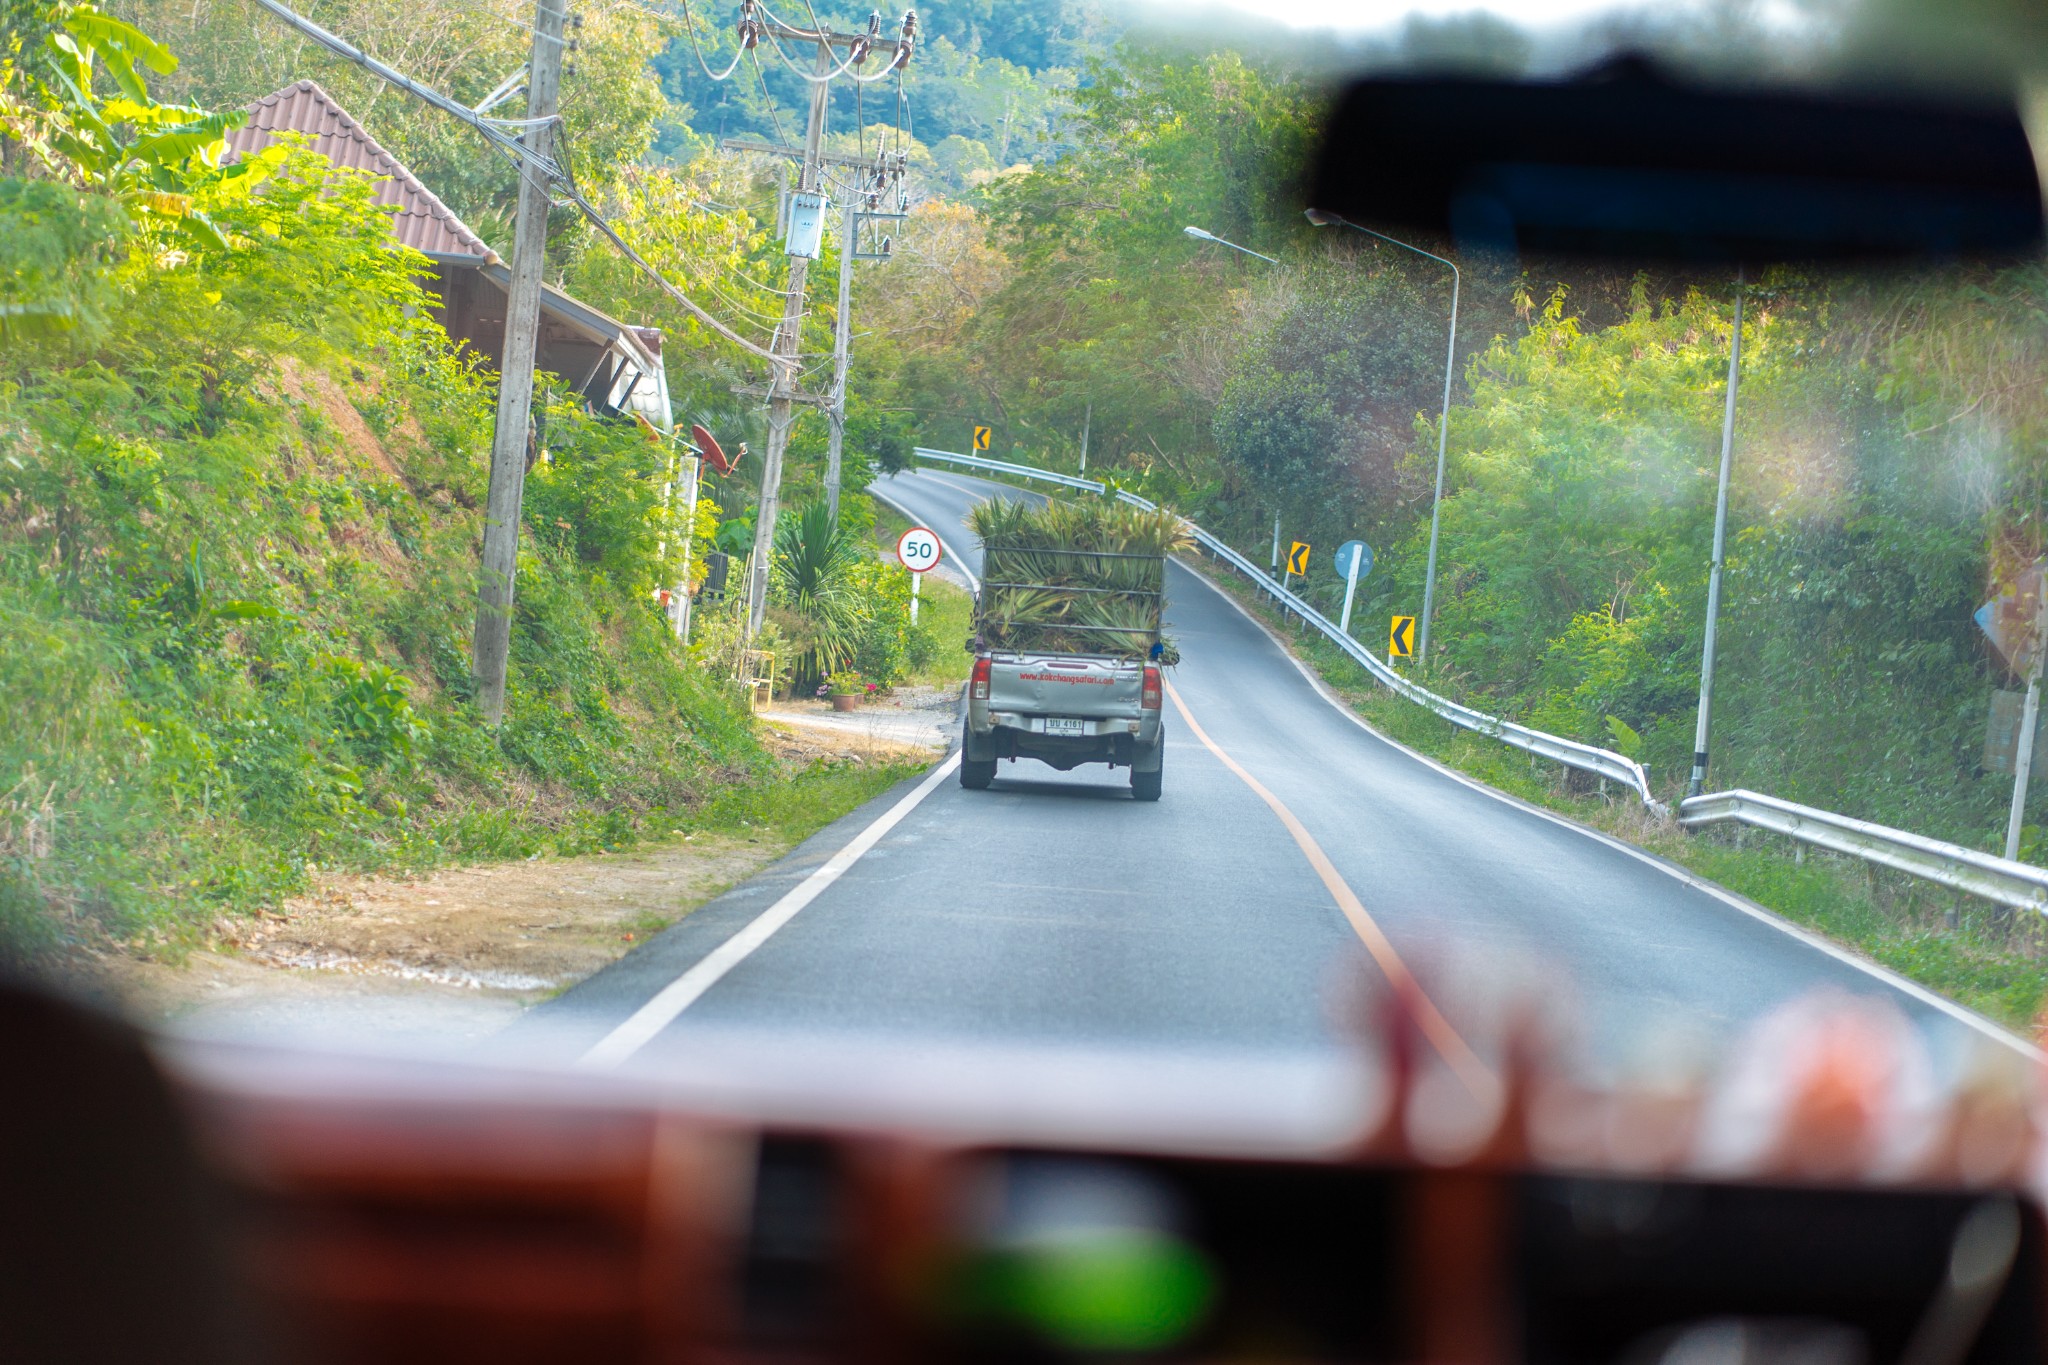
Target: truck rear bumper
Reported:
point(1115, 740)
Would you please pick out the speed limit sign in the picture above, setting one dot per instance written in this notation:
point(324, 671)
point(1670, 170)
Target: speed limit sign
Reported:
point(918, 549)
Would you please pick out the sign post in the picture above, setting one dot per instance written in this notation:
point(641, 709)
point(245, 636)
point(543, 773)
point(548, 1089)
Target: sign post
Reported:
point(2017, 624)
point(2023, 761)
point(1354, 561)
point(918, 551)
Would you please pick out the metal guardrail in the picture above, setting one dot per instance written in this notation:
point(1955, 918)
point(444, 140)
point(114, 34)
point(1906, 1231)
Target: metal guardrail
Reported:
point(1961, 869)
point(1571, 753)
point(1958, 868)
point(1005, 467)
point(1585, 757)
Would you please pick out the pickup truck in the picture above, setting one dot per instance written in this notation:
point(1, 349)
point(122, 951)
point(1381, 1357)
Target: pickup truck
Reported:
point(1064, 710)
point(1032, 695)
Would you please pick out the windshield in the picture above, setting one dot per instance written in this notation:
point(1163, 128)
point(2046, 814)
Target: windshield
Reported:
point(885, 565)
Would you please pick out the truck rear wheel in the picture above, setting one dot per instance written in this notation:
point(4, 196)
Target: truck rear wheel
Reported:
point(975, 773)
point(1145, 786)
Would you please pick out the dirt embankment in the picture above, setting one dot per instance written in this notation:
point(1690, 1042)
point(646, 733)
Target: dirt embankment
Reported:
point(454, 955)
point(449, 956)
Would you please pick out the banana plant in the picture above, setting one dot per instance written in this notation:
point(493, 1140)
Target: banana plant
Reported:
point(126, 144)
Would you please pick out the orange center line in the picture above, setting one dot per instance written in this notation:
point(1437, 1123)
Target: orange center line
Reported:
point(1444, 1038)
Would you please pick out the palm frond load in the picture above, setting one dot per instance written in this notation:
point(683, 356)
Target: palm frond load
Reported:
point(1083, 577)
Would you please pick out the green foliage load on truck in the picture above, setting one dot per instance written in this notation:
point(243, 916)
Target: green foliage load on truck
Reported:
point(1082, 577)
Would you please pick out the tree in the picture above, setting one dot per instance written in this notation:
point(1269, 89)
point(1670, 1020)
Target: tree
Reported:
point(1321, 409)
point(237, 53)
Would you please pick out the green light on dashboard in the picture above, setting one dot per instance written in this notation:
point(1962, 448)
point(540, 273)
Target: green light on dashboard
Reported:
point(1114, 1291)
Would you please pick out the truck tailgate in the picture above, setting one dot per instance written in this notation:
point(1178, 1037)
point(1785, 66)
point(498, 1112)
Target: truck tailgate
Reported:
point(1065, 685)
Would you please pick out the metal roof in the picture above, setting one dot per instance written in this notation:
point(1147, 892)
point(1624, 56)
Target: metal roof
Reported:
point(423, 222)
point(632, 379)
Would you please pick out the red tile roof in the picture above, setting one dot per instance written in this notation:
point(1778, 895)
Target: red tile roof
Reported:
point(423, 222)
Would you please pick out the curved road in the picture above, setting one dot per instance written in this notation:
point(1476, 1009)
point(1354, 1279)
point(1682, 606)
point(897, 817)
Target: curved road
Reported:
point(1052, 910)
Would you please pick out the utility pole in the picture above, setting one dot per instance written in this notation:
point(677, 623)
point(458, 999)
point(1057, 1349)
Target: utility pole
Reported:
point(1087, 420)
point(1698, 781)
point(782, 388)
point(842, 337)
point(783, 394)
point(491, 646)
point(2030, 723)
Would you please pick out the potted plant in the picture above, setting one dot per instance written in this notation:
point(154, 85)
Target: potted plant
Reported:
point(847, 689)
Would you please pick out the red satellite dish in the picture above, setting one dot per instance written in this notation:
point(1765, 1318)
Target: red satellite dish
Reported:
point(711, 452)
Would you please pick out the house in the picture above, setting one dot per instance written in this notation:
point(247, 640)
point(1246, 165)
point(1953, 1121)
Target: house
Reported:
point(614, 365)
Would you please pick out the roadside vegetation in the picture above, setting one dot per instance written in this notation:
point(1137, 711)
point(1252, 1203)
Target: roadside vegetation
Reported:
point(938, 656)
point(241, 476)
point(1983, 956)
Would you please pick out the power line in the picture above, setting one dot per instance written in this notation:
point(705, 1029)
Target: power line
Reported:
point(859, 45)
point(774, 120)
point(689, 25)
point(547, 167)
point(340, 48)
point(827, 77)
point(766, 289)
point(809, 9)
point(485, 11)
point(598, 221)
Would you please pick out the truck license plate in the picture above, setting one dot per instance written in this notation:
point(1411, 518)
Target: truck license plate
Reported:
point(1061, 725)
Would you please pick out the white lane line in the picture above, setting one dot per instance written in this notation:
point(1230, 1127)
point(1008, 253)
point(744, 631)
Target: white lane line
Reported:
point(1748, 907)
point(953, 556)
point(683, 992)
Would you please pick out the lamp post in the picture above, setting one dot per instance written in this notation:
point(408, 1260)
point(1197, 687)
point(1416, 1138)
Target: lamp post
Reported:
point(1323, 218)
point(1203, 236)
point(1696, 784)
point(1199, 235)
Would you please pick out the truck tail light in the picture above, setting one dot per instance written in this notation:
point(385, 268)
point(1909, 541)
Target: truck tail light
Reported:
point(1150, 700)
point(980, 680)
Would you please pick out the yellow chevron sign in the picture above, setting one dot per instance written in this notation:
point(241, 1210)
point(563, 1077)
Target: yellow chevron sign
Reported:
point(1401, 638)
point(981, 437)
point(1297, 558)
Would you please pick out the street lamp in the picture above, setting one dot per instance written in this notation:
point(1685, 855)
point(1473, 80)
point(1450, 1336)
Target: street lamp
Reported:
point(1697, 782)
point(1203, 236)
point(1324, 218)
point(1199, 235)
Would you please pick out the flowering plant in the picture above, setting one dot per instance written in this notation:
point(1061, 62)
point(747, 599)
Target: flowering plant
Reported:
point(846, 683)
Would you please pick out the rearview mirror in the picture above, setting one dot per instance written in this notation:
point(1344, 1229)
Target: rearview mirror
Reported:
point(1628, 164)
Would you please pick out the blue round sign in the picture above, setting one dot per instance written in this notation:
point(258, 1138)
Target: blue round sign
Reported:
point(1341, 561)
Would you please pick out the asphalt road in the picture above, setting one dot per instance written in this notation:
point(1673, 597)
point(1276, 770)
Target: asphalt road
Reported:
point(1053, 911)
